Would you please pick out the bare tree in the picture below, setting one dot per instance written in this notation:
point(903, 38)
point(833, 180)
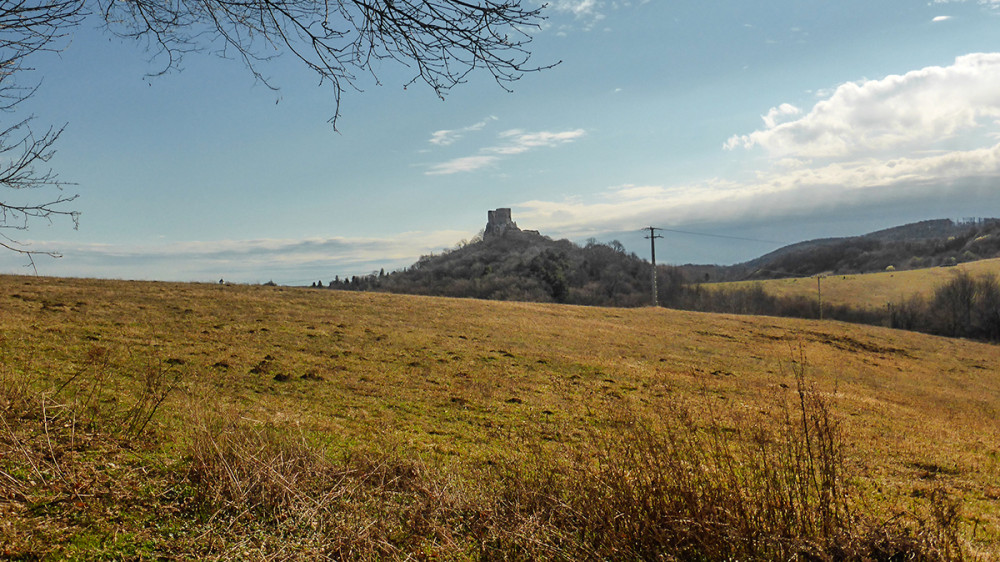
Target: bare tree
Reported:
point(441, 41)
point(27, 27)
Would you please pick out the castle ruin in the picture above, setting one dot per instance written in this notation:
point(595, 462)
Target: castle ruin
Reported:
point(498, 222)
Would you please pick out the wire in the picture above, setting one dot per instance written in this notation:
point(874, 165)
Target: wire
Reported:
point(717, 236)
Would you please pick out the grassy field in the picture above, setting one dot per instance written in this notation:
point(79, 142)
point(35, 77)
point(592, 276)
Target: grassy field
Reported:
point(869, 290)
point(131, 408)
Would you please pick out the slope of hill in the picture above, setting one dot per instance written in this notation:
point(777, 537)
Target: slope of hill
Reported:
point(160, 420)
point(868, 290)
point(913, 246)
point(939, 229)
point(511, 264)
point(917, 245)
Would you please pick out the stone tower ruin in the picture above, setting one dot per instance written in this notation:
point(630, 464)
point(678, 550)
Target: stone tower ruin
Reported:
point(498, 222)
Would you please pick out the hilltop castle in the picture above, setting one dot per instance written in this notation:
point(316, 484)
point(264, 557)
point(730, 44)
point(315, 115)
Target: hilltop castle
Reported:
point(498, 222)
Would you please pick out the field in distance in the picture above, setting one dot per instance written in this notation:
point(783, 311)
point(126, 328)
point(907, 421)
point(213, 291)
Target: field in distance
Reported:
point(868, 290)
point(459, 384)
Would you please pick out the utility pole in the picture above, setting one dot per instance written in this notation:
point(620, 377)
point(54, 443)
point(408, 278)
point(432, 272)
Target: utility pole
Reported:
point(819, 293)
point(652, 255)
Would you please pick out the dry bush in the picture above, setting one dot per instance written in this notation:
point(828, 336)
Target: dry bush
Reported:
point(253, 480)
point(103, 400)
point(692, 487)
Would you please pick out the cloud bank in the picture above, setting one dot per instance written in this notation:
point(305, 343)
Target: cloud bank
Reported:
point(777, 194)
point(921, 109)
point(285, 261)
point(924, 139)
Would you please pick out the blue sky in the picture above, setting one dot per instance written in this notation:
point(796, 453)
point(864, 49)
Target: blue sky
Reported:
point(775, 122)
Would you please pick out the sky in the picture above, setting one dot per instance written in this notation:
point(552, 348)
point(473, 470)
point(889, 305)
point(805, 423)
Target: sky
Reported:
point(739, 127)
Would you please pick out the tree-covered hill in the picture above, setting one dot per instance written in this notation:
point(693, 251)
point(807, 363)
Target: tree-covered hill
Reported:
point(525, 266)
point(917, 245)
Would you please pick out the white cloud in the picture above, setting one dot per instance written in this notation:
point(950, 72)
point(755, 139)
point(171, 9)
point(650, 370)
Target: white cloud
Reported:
point(941, 18)
point(464, 164)
point(783, 190)
point(916, 110)
point(585, 13)
point(513, 141)
point(446, 137)
point(630, 191)
point(988, 3)
point(566, 16)
point(519, 141)
point(579, 8)
point(776, 114)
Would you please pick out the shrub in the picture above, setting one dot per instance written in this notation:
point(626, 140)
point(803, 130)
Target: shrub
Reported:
point(965, 306)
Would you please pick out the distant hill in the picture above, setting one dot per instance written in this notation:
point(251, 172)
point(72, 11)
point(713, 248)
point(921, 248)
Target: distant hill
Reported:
point(924, 230)
point(507, 263)
point(526, 266)
point(913, 246)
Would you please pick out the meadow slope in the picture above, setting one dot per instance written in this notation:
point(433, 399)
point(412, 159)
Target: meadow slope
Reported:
point(868, 290)
point(456, 382)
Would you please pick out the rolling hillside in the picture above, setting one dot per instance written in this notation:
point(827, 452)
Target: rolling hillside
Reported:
point(919, 245)
point(869, 290)
point(160, 419)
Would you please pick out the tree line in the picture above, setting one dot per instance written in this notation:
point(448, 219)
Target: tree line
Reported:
point(966, 306)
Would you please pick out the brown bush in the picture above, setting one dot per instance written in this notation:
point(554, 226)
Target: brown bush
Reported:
point(692, 487)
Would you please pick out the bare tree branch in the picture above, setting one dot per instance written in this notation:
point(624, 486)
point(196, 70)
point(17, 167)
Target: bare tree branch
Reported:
point(441, 41)
point(28, 27)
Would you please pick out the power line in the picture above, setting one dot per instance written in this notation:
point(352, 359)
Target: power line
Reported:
point(718, 236)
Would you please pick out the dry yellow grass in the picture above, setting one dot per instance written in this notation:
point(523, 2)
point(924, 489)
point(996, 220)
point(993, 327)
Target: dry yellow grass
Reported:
point(453, 380)
point(869, 290)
